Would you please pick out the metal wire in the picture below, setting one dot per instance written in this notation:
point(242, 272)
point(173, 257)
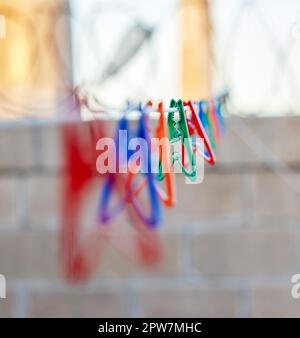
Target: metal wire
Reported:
point(229, 42)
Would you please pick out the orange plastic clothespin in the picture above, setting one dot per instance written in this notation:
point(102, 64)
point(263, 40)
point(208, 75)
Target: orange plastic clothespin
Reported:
point(166, 196)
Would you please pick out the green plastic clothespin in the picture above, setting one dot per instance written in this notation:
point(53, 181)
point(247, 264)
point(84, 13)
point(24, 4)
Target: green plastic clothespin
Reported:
point(160, 176)
point(178, 131)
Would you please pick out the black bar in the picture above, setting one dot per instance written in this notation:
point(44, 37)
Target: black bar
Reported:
point(147, 327)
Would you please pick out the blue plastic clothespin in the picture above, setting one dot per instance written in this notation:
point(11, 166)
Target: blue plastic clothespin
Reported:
point(204, 120)
point(220, 116)
point(155, 205)
point(104, 213)
point(155, 213)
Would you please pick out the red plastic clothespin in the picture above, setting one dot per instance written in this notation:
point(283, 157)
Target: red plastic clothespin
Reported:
point(214, 120)
point(77, 259)
point(196, 128)
point(80, 257)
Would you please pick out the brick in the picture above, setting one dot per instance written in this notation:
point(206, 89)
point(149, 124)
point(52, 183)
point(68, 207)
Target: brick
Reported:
point(275, 302)
point(26, 254)
point(216, 197)
point(185, 302)
point(116, 265)
point(16, 147)
point(43, 201)
point(233, 150)
point(276, 195)
point(8, 203)
point(78, 304)
point(52, 151)
point(113, 262)
point(245, 252)
point(250, 140)
point(6, 307)
point(279, 135)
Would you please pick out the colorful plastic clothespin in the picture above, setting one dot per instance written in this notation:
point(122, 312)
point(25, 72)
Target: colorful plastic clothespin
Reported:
point(196, 128)
point(105, 214)
point(130, 195)
point(204, 118)
point(214, 121)
point(220, 117)
point(155, 214)
point(78, 256)
point(161, 133)
point(166, 196)
point(178, 131)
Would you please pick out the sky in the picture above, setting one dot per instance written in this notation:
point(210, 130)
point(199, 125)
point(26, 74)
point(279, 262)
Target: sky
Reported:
point(256, 45)
point(153, 72)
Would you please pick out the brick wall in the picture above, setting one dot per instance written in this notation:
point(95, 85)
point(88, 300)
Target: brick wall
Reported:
point(232, 243)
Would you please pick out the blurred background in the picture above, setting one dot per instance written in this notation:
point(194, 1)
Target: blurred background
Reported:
point(232, 243)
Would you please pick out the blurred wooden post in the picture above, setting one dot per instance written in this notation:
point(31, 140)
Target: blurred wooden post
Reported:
point(2, 27)
point(35, 71)
point(195, 53)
